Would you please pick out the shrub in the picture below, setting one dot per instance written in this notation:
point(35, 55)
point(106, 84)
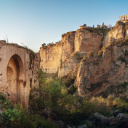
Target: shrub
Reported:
point(79, 56)
point(11, 116)
point(18, 117)
point(91, 54)
point(100, 52)
point(14, 116)
point(5, 103)
point(2, 96)
point(53, 100)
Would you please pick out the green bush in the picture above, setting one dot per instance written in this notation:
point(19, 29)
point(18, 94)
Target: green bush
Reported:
point(53, 94)
point(2, 96)
point(55, 97)
point(4, 103)
point(53, 100)
point(11, 117)
point(14, 116)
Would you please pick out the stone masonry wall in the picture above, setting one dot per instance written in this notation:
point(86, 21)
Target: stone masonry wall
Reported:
point(18, 72)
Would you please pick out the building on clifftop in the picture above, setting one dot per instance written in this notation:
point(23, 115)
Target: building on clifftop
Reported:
point(123, 18)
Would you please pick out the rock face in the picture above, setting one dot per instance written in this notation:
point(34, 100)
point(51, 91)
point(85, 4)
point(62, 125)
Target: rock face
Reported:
point(87, 41)
point(95, 75)
point(52, 56)
point(97, 58)
point(119, 121)
point(103, 121)
point(18, 72)
point(70, 64)
point(123, 119)
point(108, 72)
point(117, 32)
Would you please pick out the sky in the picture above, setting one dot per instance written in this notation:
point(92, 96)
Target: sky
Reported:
point(34, 22)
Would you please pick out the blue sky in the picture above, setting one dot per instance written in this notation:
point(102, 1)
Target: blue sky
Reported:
point(33, 22)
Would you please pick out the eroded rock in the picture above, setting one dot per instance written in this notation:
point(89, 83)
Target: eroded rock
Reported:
point(101, 120)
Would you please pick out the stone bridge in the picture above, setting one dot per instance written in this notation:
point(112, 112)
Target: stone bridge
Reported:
point(18, 72)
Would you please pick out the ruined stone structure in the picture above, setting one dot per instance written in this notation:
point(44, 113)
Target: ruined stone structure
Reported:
point(98, 26)
point(18, 72)
point(123, 18)
point(104, 26)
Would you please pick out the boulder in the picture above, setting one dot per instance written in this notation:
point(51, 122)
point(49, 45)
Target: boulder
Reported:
point(82, 126)
point(122, 120)
point(116, 112)
point(101, 120)
point(60, 123)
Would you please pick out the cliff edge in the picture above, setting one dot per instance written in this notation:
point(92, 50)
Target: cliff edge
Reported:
point(95, 57)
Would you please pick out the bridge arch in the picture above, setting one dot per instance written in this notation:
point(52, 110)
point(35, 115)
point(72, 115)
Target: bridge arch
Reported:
point(15, 78)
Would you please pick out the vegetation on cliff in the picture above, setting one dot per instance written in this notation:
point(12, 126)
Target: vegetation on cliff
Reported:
point(102, 30)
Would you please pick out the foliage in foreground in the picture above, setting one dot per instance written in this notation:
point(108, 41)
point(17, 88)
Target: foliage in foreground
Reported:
point(14, 116)
point(52, 100)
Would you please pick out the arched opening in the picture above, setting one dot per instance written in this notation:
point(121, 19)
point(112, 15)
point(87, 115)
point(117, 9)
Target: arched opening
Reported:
point(15, 78)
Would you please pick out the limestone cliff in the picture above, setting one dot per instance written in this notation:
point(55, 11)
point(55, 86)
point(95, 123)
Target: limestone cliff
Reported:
point(106, 73)
point(87, 40)
point(97, 57)
point(119, 31)
point(53, 55)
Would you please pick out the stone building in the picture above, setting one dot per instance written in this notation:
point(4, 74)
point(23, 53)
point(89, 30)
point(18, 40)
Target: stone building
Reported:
point(18, 72)
point(124, 17)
